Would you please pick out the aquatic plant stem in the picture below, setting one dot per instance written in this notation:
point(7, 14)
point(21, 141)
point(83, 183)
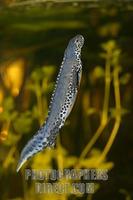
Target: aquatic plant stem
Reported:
point(117, 114)
point(60, 163)
point(104, 116)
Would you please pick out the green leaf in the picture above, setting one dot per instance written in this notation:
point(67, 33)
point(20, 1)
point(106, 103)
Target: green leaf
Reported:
point(23, 123)
point(109, 46)
point(37, 75)
point(43, 159)
point(91, 162)
point(8, 104)
point(125, 78)
point(70, 161)
point(123, 111)
point(48, 71)
point(96, 74)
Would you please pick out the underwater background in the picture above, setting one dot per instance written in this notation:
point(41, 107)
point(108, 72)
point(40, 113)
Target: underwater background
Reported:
point(98, 134)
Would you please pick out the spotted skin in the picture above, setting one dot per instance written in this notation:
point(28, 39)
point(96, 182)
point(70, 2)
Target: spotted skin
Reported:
point(62, 101)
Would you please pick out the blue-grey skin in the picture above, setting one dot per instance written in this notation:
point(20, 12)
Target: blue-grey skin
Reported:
point(62, 100)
